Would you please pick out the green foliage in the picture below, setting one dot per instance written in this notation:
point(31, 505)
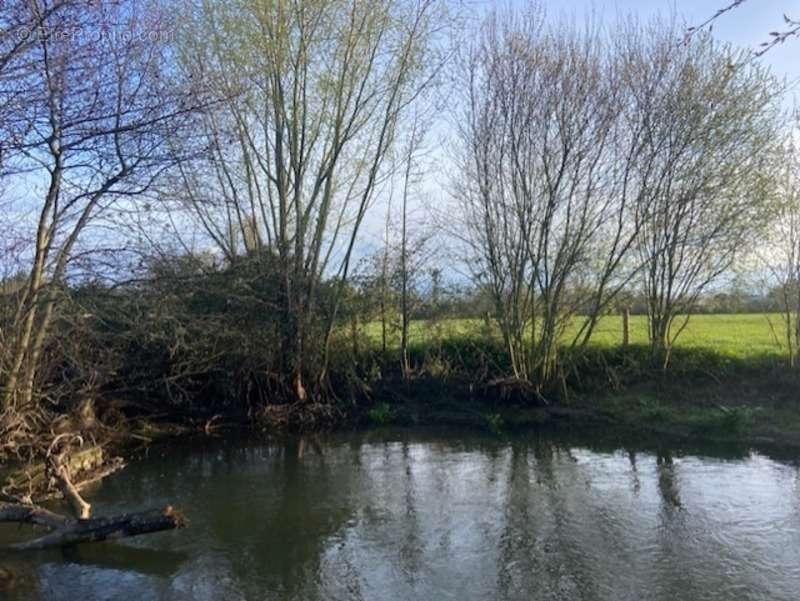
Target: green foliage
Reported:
point(738, 419)
point(495, 423)
point(698, 418)
point(202, 335)
point(437, 365)
point(196, 333)
point(381, 414)
point(653, 411)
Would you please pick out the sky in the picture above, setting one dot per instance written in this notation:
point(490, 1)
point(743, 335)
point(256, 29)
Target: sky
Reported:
point(747, 25)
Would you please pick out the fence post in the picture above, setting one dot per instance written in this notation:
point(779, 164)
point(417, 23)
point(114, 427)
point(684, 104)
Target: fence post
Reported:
point(626, 327)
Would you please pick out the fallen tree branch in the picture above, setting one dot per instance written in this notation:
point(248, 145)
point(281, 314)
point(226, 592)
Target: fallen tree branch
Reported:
point(66, 466)
point(82, 509)
point(70, 532)
point(59, 472)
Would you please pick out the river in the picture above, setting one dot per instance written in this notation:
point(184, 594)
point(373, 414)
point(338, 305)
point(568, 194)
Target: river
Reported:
point(435, 515)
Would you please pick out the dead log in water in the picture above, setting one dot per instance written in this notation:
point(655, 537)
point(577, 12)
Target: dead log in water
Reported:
point(65, 531)
point(81, 508)
point(55, 473)
point(32, 514)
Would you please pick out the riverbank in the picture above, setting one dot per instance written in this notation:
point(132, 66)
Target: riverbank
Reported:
point(619, 416)
point(707, 399)
point(616, 398)
point(704, 394)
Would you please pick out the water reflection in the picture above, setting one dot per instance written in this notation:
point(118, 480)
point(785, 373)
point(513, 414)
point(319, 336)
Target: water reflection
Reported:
point(667, 481)
point(153, 562)
point(438, 515)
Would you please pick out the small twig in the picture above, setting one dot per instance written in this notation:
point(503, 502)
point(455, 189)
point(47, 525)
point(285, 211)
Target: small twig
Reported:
point(210, 426)
point(692, 30)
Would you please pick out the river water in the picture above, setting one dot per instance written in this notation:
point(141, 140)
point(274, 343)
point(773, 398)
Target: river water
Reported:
point(437, 515)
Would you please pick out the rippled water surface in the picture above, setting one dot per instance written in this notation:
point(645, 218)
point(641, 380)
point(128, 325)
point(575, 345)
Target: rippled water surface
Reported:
point(437, 515)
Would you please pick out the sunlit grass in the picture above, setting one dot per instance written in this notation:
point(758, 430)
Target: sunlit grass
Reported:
point(739, 336)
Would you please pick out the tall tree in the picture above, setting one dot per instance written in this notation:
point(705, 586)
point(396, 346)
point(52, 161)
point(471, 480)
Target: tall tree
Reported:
point(780, 256)
point(704, 172)
point(90, 109)
point(540, 162)
point(313, 94)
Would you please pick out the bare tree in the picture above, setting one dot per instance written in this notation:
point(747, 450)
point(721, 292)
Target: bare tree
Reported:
point(89, 124)
point(19, 23)
point(544, 219)
point(780, 256)
point(705, 171)
point(313, 95)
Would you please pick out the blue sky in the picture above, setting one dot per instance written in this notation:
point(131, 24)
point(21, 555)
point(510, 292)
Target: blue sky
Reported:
point(746, 26)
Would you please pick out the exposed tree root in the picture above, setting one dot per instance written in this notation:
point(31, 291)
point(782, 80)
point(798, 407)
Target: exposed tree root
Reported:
point(304, 416)
point(514, 389)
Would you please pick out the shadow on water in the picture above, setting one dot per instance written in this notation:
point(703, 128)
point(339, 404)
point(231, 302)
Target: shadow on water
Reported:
point(150, 562)
point(19, 573)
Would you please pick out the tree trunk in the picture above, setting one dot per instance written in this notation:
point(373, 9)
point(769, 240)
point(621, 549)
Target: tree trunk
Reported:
point(659, 339)
point(354, 334)
point(28, 303)
point(626, 327)
point(405, 366)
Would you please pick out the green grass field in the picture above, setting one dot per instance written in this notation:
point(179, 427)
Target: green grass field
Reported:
point(741, 336)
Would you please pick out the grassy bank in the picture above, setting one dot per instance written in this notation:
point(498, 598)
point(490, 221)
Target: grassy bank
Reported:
point(709, 411)
point(728, 381)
